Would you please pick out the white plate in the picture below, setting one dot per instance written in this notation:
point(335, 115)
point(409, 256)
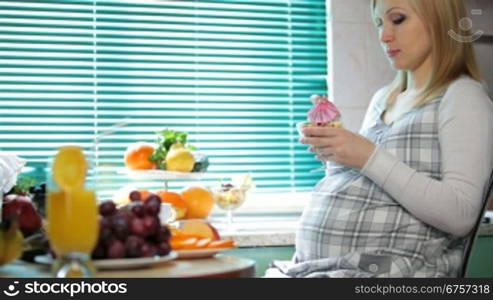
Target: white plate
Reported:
point(199, 253)
point(161, 174)
point(117, 264)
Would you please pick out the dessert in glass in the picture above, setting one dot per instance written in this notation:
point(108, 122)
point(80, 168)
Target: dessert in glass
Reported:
point(229, 196)
point(323, 114)
point(72, 215)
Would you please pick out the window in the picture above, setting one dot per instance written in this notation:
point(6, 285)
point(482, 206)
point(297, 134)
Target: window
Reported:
point(237, 75)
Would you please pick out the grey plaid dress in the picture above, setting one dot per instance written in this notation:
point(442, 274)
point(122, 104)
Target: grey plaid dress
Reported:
point(353, 228)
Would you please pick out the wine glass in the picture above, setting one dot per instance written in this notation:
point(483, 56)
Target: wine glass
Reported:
point(300, 126)
point(72, 215)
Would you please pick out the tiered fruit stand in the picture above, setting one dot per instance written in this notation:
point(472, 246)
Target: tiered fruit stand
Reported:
point(163, 175)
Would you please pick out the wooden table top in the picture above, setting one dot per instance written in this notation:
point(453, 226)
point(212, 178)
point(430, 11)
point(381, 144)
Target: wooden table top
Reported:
point(219, 266)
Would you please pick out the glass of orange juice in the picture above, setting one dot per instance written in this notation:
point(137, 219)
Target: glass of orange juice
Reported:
point(72, 214)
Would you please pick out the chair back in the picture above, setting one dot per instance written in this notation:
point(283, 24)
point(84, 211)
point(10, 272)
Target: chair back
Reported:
point(473, 236)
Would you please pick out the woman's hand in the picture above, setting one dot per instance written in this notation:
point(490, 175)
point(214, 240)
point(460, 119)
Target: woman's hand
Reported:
point(346, 147)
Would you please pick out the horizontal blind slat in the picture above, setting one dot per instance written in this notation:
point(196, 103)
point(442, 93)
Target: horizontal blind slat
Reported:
point(236, 71)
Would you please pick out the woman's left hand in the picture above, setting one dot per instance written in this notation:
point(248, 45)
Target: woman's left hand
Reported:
point(346, 147)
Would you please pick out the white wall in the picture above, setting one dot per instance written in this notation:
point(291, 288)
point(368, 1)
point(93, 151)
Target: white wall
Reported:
point(483, 21)
point(357, 64)
point(484, 51)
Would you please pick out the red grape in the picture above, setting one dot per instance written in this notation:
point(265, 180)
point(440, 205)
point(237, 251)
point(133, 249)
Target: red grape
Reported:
point(151, 225)
point(133, 245)
point(135, 196)
point(163, 248)
point(152, 205)
point(120, 227)
point(137, 227)
point(105, 236)
point(148, 249)
point(107, 208)
point(116, 249)
point(104, 223)
point(162, 235)
point(126, 213)
point(138, 209)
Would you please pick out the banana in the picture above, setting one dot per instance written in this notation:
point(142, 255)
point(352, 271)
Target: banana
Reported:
point(11, 243)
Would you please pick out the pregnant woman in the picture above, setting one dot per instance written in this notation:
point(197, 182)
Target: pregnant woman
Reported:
point(400, 198)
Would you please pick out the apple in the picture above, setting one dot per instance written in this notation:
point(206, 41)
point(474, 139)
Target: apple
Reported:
point(22, 208)
point(201, 228)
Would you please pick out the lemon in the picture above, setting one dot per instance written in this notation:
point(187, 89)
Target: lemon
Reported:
point(179, 159)
point(69, 168)
point(177, 146)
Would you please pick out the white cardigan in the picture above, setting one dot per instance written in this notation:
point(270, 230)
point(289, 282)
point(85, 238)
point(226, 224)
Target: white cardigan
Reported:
point(451, 204)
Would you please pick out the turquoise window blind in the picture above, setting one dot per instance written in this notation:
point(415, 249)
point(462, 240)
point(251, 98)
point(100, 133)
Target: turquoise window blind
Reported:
point(237, 75)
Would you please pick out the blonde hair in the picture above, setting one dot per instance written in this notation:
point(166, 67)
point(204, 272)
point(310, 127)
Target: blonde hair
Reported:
point(450, 58)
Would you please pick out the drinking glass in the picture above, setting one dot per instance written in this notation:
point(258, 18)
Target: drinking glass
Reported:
point(300, 126)
point(72, 215)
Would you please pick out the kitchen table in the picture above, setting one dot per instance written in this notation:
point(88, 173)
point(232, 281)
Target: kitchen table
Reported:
point(219, 266)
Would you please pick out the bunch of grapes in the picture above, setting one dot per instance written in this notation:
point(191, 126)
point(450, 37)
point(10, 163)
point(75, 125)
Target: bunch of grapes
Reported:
point(133, 230)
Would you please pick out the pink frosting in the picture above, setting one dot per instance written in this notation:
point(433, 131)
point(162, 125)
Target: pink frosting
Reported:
point(323, 112)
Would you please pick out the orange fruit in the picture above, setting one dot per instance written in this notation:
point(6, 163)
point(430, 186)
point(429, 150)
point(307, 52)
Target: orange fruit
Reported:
point(199, 202)
point(202, 243)
point(137, 156)
point(177, 244)
point(69, 168)
point(221, 244)
point(175, 200)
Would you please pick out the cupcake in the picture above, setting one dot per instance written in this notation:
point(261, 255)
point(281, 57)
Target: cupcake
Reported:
point(323, 114)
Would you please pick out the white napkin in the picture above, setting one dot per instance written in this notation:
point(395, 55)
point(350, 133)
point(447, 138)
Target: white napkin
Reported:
point(10, 167)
